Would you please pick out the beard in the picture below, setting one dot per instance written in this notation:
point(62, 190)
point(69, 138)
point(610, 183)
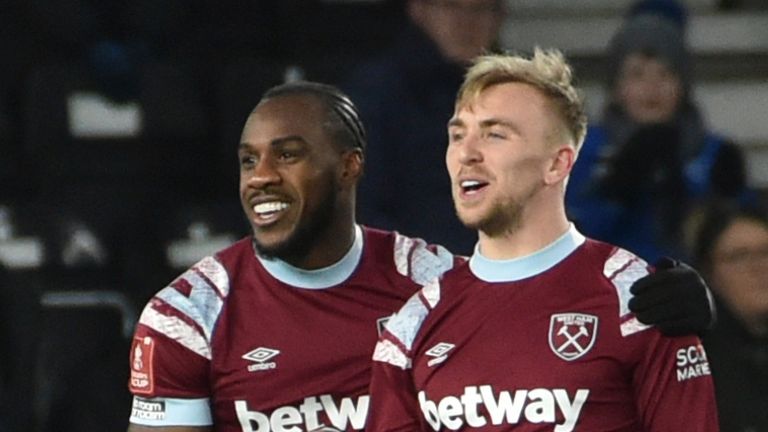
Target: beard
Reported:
point(500, 218)
point(505, 215)
point(307, 233)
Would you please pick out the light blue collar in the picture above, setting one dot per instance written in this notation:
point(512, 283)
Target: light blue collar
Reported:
point(322, 278)
point(530, 265)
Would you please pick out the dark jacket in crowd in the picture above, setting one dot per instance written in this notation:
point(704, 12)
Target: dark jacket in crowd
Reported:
point(739, 364)
point(406, 98)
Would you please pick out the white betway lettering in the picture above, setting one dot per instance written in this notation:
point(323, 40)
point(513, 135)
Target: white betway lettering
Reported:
point(306, 416)
point(533, 406)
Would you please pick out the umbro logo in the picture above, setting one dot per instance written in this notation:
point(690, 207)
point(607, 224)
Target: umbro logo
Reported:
point(260, 357)
point(439, 353)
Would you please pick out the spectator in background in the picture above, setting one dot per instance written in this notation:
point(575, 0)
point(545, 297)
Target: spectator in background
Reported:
point(731, 249)
point(406, 96)
point(652, 156)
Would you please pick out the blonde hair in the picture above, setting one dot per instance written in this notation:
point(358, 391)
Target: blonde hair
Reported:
point(547, 71)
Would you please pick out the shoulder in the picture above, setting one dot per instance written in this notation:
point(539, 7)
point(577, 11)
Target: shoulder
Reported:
point(609, 262)
point(411, 257)
point(396, 344)
point(620, 270)
point(187, 309)
point(242, 249)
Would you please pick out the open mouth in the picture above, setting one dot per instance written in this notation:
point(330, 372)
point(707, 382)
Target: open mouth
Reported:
point(472, 187)
point(269, 211)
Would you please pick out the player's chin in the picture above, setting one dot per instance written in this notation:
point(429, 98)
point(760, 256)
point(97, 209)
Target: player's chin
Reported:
point(471, 220)
point(272, 245)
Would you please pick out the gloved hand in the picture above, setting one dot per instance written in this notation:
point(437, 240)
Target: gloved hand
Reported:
point(675, 299)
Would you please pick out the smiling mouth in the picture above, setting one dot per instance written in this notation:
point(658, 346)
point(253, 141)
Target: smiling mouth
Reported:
point(268, 212)
point(471, 187)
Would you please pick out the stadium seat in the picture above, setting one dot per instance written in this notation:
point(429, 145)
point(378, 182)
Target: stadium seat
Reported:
point(19, 332)
point(107, 169)
point(81, 374)
point(11, 183)
point(196, 230)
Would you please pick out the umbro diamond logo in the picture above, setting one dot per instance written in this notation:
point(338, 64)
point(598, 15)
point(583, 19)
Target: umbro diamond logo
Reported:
point(260, 357)
point(439, 353)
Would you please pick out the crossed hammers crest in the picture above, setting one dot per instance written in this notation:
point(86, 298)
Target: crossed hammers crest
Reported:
point(579, 331)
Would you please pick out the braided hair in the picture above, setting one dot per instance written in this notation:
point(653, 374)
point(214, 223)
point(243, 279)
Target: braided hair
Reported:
point(343, 117)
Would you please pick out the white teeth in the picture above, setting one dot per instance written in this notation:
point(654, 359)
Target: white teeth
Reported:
point(469, 183)
point(269, 207)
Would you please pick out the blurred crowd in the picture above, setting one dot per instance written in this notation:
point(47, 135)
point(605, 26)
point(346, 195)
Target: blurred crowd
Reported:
point(119, 124)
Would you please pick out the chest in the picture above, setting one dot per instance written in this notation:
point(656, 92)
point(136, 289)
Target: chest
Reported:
point(516, 357)
point(297, 357)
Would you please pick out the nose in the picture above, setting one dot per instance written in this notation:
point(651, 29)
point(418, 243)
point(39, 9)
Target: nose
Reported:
point(263, 174)
point(469, 151)
point(650, 86)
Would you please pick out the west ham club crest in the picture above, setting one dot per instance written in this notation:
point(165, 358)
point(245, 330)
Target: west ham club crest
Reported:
point(571, 335)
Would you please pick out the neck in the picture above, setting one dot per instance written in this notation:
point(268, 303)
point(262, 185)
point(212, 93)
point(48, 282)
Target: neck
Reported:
point(537, 227)
point(329, 247)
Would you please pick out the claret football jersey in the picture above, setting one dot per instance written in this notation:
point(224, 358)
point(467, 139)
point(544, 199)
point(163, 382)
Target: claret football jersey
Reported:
point(545, 342)
point(248, 344)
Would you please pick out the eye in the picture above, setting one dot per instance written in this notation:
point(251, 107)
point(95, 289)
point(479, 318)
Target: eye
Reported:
point(247, 161)
point(495, 134)
point(287, 155)
point(455, 136)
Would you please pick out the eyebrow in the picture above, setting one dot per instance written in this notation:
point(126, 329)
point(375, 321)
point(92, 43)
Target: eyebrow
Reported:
point(485, 124)
point(455, 122)
point(277, 141)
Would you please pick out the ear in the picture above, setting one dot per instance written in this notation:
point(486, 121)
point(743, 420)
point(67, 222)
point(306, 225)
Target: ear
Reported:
point(561, 165)
point(351, 166)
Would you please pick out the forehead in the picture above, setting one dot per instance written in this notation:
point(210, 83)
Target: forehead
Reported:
point(299, 115)
point(513, 99)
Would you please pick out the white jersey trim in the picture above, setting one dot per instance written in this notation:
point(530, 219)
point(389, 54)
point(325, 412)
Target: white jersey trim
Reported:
point(322, 278)
point(431, 293)
point(202, 306)
point(216, 273)
point(527, 266)
point(171, 412)
point(387, 352)
point(405, 324)
point(403, 246)
point(176, 329)
point(413, 259)
point(623, 269)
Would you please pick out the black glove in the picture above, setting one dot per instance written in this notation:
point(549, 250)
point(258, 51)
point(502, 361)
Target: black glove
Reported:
point(674, 298)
